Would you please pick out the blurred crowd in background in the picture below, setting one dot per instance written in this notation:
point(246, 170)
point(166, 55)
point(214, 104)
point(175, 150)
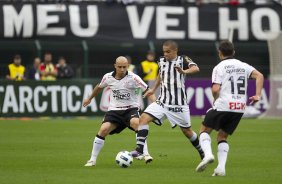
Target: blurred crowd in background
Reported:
point(44, 70)
point(48, 70)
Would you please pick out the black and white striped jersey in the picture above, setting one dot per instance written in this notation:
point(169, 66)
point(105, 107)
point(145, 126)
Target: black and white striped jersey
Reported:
point(172, 87)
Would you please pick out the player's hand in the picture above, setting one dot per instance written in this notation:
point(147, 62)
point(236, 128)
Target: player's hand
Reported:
point(86, 102)
point(254, 99)
point(149, 92)
point(179, 69)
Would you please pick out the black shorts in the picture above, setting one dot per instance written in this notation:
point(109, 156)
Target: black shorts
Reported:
point(227, 121)
point(121, 118)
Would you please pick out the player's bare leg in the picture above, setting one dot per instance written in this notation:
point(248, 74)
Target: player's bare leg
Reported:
point(99, 141)
point(193, 137)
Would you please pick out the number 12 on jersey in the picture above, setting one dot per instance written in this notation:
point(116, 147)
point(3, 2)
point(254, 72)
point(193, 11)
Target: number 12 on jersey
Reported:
point(239, 83)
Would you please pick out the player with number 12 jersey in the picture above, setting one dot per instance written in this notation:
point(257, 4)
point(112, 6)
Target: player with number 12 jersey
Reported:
point(232, 75)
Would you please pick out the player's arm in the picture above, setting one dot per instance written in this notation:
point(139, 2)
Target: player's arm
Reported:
point(259, 85)
point(94, 93)
point(189, 66)
point(157, 83)
point(152, 91)
point(192, 69)
point(151, 97)
point(217, 78)
point(215, 90)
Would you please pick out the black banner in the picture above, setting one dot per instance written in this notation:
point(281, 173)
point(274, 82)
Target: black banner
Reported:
point(92, 21)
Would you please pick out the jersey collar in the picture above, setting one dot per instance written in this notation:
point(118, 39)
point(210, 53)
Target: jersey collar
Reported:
point(175, 59)
point(114, 74)
point(231, 57)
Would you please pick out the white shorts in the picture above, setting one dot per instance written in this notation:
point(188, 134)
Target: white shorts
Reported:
point(176, 114)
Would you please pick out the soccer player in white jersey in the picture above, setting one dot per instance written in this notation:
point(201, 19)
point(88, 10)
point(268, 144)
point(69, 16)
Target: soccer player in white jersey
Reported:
point(229, 89)
point(123, 108)
point(172, 101)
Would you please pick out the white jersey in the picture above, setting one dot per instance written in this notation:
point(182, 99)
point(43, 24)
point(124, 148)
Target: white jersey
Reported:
point(232, 75)
point(124, 92)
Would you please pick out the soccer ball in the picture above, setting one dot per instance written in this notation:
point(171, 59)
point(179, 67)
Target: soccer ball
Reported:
point(124, 159)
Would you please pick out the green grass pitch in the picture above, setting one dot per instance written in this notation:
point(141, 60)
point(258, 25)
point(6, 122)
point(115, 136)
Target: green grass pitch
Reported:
point(53, 151)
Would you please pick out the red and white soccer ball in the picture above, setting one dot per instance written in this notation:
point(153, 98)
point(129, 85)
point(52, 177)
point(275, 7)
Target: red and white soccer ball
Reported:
point(124, 159)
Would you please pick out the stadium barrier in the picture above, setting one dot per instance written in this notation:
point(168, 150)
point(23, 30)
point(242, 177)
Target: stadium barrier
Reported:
point(64, 98)
point(275, 78)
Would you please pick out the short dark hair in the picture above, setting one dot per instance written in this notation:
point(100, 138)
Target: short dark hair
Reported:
point(17, 56)
point(151, 52)
point(226, 48)
point(170, 43)
point(61, 57)
point(47, 53)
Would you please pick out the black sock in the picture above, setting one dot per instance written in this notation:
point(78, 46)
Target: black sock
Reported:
point(196, 144)
point(141, 138)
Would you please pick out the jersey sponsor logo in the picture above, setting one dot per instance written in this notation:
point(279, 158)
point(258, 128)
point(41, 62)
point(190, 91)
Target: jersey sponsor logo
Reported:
point(236, 70)
point(120, 96)
point(175, 109)
point(237, 105)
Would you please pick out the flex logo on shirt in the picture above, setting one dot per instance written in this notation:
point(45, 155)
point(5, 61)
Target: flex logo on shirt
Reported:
point(175, 109)
point(237, 106)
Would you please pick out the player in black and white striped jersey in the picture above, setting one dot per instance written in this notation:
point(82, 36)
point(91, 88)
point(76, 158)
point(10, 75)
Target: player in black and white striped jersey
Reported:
point(172, 89)
point(172, 101)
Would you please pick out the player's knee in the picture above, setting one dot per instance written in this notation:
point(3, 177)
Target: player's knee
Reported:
point(134, 125)
point(188, 132)
point(145, 119)
point(222, 136)
point(103, 132)
point(203, 128)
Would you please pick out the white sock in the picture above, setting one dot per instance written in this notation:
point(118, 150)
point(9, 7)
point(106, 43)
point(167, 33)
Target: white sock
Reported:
point(145, 149)
point(194, 137)
point(98, 144)
point(222, 153)
point(205, 142)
